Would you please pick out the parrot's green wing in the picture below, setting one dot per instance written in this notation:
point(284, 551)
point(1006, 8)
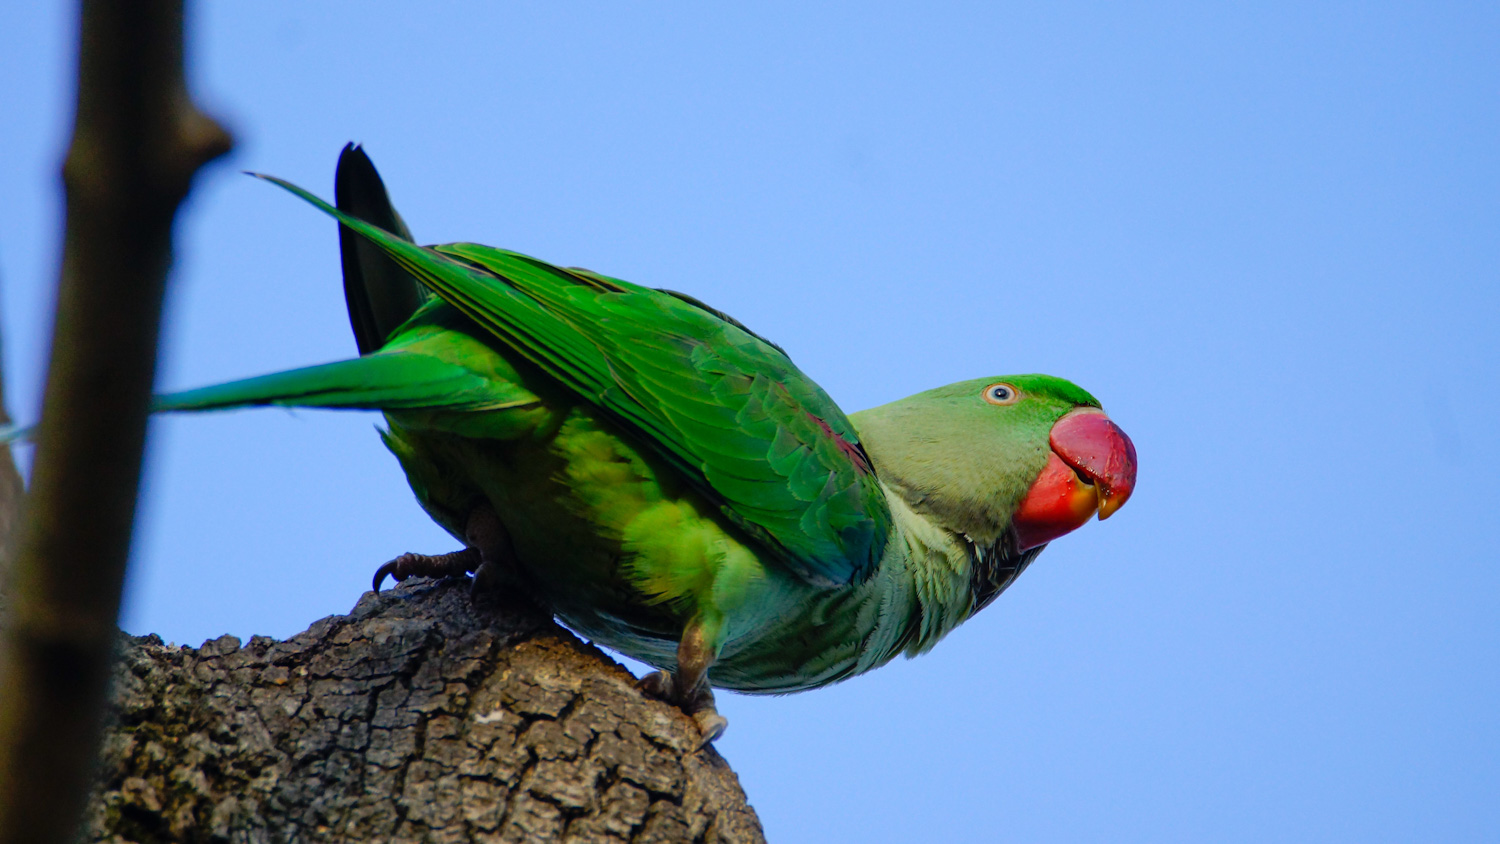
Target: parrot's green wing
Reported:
point(726, 408)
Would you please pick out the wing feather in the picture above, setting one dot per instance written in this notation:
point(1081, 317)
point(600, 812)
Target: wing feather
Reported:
point(726, 408)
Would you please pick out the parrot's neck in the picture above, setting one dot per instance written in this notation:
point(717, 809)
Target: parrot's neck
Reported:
point(935, 579)
point(936, 565)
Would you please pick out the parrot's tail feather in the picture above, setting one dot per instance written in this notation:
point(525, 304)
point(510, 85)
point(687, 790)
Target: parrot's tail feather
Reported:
point(380, 294)
point(385, 381)
point(516, 318)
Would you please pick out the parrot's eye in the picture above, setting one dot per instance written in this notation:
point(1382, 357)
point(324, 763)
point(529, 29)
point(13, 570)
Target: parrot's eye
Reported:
point(1001, 394)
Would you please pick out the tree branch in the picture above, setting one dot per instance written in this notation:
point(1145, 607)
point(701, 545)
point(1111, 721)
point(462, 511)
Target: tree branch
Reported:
point(418, 717)
point(137, 142)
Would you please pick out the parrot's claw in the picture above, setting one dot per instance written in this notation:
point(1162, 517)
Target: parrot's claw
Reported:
point(657, 684)
point(711, 725)
point(700, 705)
point(454, 564)
point(487, 581)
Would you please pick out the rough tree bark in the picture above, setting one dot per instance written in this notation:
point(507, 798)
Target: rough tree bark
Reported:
point(418, 717)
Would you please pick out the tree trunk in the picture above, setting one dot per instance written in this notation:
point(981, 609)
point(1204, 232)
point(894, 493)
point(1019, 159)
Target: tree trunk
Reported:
point(420, 716)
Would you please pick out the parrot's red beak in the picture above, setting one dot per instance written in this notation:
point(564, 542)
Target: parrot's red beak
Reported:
point(1091, 469)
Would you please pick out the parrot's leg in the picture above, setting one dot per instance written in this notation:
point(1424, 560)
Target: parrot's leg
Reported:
point(485, 532)
point(488, 548)
point(688, 687)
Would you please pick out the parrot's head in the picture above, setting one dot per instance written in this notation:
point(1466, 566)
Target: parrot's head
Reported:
point(1029, 453)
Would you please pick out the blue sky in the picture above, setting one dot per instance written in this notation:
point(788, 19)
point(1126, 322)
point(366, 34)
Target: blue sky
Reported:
point(1263, 234)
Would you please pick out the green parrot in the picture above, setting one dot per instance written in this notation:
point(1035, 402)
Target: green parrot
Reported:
point(667, 482)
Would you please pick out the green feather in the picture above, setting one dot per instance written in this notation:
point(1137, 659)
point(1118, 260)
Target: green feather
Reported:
point(678, 377)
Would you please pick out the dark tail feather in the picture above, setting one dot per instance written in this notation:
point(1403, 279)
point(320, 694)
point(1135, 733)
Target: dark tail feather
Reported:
point(380, 294)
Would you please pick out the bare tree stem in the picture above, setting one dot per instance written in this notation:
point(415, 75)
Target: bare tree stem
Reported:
point(137, 142)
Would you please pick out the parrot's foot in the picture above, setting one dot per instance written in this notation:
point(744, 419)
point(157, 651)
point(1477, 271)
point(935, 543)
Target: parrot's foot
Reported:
point(454, 564)
point(687, 687)
point(489, 550)
point(698, 704)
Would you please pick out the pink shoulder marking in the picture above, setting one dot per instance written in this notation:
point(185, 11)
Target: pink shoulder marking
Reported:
point(852, 451)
